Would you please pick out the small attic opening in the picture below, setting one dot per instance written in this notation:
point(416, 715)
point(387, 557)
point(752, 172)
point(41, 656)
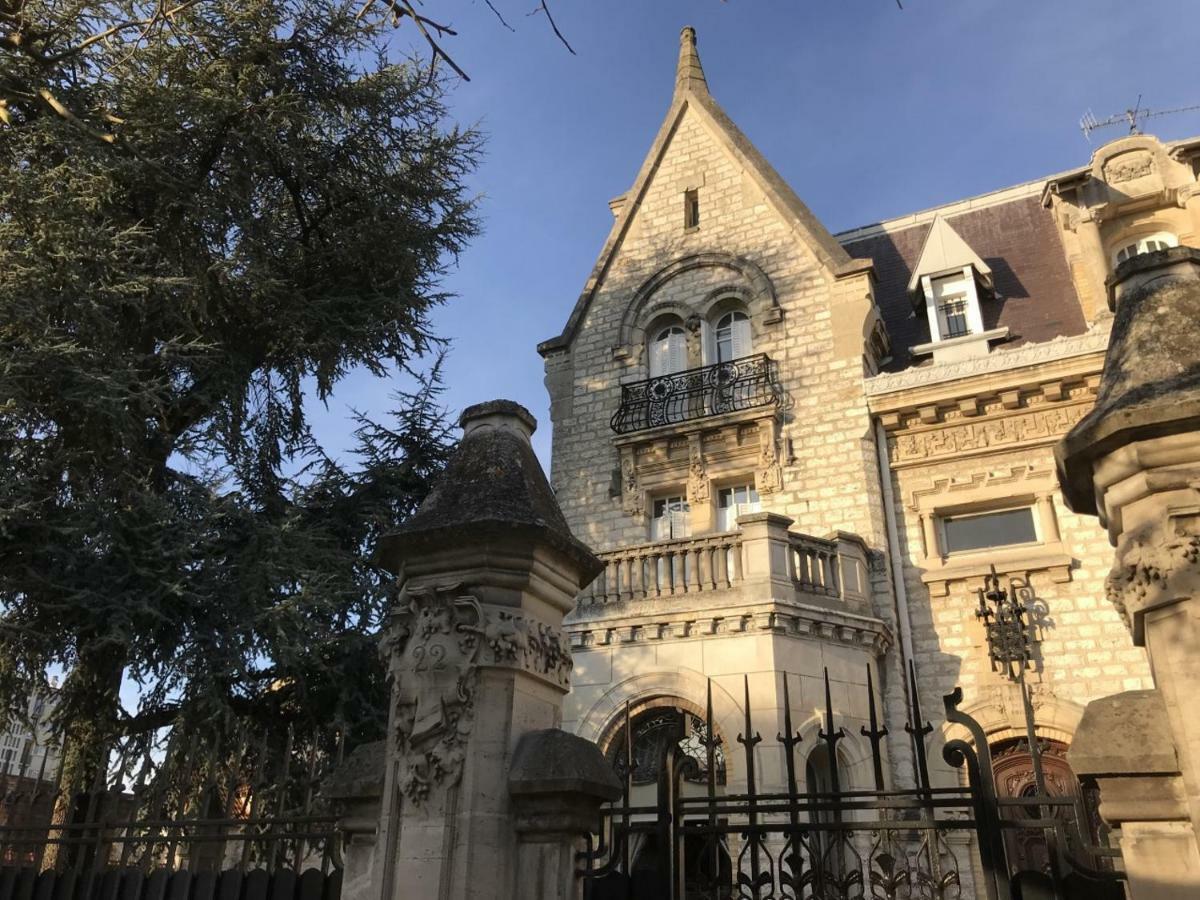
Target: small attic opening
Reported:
point(691, 208)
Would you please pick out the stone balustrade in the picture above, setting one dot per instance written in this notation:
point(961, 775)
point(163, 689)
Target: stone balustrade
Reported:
point(814, 563)
point(762, 550)
point(668, 569)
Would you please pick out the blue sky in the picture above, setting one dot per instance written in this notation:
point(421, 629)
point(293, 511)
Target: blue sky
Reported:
point(866, 110)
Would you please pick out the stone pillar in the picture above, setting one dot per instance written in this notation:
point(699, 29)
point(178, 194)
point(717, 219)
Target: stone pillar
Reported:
point(766, 553)
point(1124, 744)
point(1134, 461)
point(487, 568)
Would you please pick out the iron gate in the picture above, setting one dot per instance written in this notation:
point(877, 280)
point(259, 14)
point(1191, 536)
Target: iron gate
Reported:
point(923, 841)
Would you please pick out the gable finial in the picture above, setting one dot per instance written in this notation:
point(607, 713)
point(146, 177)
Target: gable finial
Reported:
point(689, 75)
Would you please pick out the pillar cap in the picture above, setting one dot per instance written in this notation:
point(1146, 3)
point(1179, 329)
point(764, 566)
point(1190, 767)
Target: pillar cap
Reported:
point(492, 492)
point(1150, 386)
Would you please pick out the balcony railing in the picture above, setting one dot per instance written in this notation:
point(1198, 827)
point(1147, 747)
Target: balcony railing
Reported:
point(717, 562)
point(745, 383)
point(669, 569)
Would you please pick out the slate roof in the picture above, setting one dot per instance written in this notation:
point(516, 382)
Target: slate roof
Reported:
point(1018, 240)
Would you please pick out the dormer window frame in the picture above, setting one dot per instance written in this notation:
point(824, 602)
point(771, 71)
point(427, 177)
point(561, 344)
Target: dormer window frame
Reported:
point(935, 300)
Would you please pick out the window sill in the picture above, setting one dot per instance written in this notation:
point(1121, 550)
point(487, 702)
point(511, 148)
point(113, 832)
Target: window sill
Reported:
point(991, 336)
point(972, 567)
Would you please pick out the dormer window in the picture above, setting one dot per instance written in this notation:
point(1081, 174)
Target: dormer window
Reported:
point(1161, 240)
point(949, 283)
point(952, 307)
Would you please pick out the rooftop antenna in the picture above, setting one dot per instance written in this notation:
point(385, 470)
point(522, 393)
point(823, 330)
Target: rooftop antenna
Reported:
point(1131, 117)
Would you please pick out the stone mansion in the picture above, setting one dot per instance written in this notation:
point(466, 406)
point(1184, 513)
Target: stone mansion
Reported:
point(800, 452)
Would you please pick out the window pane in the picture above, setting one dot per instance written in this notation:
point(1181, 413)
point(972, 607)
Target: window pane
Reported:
point(725, 498)
point(998, 529)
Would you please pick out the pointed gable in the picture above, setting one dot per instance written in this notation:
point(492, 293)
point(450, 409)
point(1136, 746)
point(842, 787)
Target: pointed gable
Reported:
point(945, 251)
point(692, 99)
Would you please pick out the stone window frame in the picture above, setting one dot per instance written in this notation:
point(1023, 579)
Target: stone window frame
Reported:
point(982, 495)
point(741, 278)
point(969, 296)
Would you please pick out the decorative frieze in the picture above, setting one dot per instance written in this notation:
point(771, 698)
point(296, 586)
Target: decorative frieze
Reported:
point(1034, 426)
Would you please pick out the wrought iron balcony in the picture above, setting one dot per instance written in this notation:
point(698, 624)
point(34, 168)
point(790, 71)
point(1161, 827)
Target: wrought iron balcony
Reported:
point(745, 383)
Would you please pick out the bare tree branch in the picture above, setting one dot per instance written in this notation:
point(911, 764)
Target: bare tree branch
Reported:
point(492, 7)
point(542, 7)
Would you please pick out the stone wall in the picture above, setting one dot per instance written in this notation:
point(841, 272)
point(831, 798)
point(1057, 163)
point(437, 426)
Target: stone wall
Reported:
point(827, 475)
point(1082, 648)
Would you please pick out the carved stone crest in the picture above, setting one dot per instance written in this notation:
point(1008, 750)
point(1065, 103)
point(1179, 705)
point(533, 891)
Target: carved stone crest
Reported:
point(697, 472)
point(1127, 167)
point(436, 646)
point(768, 476)
point(632, 499)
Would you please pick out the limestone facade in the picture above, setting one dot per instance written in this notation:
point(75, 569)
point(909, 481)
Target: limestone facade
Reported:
point(862, 451)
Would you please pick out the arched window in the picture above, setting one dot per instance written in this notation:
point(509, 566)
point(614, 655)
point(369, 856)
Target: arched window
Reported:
point(731, 338)
point(668, 351)
point(1160, 240)
point(658, 731)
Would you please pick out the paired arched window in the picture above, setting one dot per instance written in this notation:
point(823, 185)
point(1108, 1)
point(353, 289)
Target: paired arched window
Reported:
point(731, 337)
point(726, 338)
point(668, 351)
point(1160, 240)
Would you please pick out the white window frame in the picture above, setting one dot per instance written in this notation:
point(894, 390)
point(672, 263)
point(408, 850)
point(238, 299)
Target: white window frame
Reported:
point(1141, 245)
point(944, 544)
point(678, 519)
point(740, 337)
point(951, 287)
point(667, 351)
point(737, 509)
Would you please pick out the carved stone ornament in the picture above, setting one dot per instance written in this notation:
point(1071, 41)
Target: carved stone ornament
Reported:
point(697, 472)
point(435, 647)
point(1035, 426)
point(1149, 572)
point(633, 501)
point(768, 477)
point(1127, 168)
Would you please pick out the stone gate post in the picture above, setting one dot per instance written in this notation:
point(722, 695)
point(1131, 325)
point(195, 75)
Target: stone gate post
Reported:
point(1134, 461)
point(487, 568)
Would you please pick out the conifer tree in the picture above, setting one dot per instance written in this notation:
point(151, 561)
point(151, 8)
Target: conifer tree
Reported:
point(273, 204)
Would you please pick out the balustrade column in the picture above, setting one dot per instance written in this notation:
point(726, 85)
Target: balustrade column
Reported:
point(721, 555)
point(693, 570)
point(637, 586)
point(677, 569)
point(705, 568)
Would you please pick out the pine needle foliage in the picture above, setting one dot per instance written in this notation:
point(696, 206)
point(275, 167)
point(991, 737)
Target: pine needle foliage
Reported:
point(276, 207)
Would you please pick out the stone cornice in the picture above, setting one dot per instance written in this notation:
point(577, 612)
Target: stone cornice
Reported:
point(788, 619)
point(1094, 341)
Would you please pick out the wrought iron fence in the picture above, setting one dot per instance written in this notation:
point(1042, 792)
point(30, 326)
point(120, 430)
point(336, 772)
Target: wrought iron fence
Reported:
point(745, 383)
point(828, 842)
point(247, 824)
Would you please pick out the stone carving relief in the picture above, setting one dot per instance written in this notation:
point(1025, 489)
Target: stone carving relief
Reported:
point(1038, 425)
point(1127, 167)
point(697, 471)
point(768, 476)
point(435, 647)
point(1149, 571)
point(633, 500)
